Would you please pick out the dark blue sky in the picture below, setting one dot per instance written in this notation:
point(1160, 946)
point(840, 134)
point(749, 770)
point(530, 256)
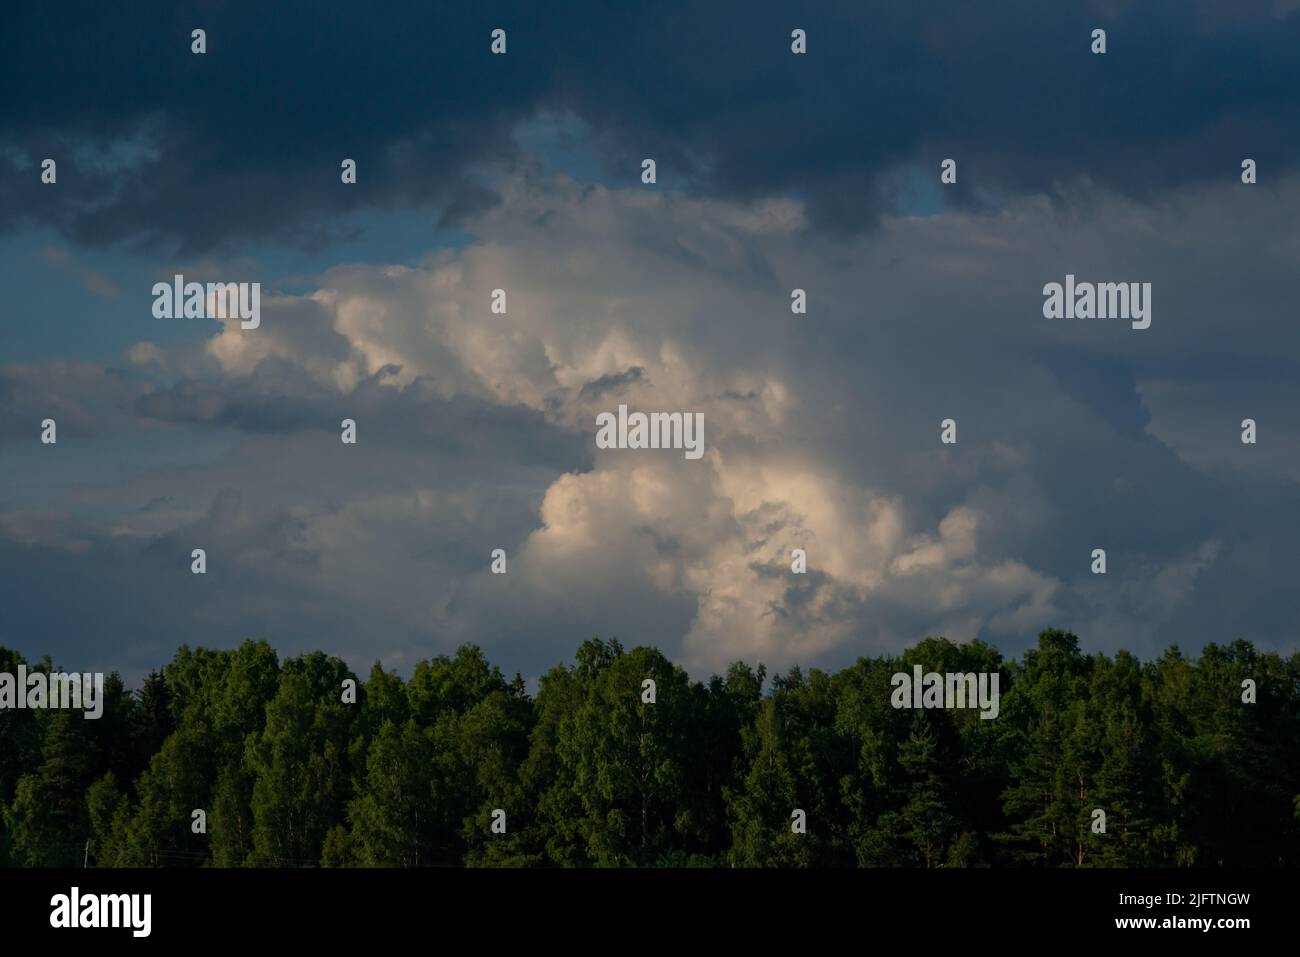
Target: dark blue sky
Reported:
point(522, 172)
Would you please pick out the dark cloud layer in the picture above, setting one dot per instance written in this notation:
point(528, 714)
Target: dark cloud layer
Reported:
point(277, 398)
point(155, 143)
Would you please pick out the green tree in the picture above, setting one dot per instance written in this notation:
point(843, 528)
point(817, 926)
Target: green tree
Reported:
point(48, 821)
point(392, 817)
point(1042, 802)
point(299, 763)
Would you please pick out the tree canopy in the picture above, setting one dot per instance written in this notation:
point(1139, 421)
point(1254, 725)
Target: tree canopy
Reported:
point(458, 765)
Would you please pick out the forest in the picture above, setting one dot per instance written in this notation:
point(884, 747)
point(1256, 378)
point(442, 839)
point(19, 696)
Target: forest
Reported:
point(289, 774)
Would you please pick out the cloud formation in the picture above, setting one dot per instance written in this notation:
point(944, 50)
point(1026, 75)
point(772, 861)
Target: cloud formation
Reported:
point(822, 433)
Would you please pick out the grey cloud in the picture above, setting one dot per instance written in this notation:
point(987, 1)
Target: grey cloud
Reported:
point(611, 382)
point(470, 441)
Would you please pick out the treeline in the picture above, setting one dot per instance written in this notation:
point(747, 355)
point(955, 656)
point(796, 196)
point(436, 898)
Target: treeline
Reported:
point(288, 774)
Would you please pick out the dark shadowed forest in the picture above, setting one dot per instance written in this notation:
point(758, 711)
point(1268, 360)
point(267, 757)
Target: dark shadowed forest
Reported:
point(289, 774)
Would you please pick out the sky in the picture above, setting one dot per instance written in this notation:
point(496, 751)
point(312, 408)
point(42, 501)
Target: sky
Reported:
point(476, 430)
